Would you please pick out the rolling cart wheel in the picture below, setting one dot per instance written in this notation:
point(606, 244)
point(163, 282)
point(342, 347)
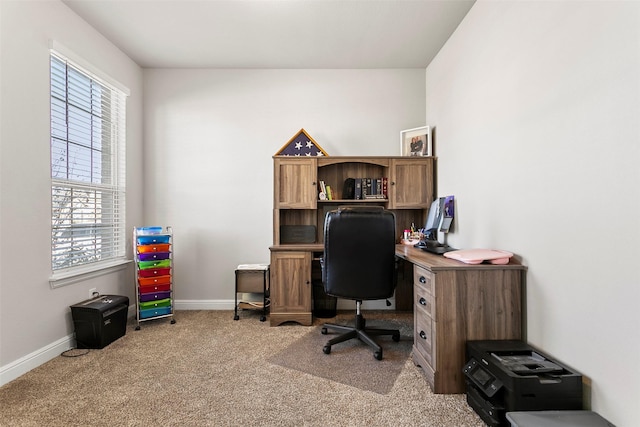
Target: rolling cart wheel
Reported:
point(323, 331)
point(378, 355)
point(236, 317)
point(326, 349)
point(396, 337)
point(138, 328)
point(173, 321)
point(263, 318)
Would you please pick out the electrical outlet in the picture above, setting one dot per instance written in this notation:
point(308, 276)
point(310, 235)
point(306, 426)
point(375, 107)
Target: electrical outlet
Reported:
point(93, 292)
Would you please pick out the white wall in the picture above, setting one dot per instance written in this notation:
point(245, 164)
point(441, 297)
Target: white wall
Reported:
point(35, 320)
point(209, 140)
point(536, 109)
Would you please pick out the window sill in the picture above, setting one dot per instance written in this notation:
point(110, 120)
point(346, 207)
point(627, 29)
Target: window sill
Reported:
point(78, 274)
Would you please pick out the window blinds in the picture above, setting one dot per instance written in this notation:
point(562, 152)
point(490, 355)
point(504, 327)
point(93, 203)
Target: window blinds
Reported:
point(87, 167)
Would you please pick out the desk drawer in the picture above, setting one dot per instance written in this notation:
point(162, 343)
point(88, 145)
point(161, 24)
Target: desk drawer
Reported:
point(423, 338)
point(423, 278)
point(424, 301)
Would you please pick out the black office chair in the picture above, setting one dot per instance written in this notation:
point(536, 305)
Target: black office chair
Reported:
point(359, 264)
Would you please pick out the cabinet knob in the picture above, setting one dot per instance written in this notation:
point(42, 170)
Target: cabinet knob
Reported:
point(422, 279)
point(422, 301)
point(393, 183)
point(313, 183)
point(423, 335)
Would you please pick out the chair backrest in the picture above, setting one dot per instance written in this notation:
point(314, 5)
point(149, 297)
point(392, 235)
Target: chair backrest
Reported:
point(359, 253)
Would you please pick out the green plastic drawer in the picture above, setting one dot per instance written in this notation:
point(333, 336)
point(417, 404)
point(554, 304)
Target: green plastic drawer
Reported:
point(143, 265)
point(155, 304)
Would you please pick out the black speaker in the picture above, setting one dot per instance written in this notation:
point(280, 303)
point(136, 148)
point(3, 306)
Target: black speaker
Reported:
point(349, 189)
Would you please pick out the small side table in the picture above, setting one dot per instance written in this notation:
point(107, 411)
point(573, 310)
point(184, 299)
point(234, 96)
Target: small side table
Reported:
point(252, 278)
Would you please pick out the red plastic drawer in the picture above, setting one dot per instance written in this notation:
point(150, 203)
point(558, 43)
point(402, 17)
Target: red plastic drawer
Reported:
point(143, 249)
point(154, 288)
point(157, 280)
point(154, 272)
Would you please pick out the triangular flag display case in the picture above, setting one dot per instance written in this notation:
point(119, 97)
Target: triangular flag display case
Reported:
point(301, 145)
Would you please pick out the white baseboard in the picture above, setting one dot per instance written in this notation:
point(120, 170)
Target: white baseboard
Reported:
point(203, 304)
point(23, 365)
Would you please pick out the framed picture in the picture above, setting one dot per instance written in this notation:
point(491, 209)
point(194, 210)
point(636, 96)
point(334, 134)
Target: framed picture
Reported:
point(416, 142)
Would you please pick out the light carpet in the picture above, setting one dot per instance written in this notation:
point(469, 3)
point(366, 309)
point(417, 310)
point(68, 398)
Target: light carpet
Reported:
point(209, 370)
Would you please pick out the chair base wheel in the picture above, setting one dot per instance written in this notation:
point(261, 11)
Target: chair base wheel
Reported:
point(323, 331)
point(236, 317)
point(326, 349)
point(395, 337)
point(378, 355)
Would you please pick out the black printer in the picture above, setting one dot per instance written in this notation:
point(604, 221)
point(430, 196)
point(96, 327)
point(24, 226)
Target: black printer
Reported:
point(505, 376)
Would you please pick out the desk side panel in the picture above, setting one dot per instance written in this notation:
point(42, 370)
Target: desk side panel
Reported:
point(473, 305)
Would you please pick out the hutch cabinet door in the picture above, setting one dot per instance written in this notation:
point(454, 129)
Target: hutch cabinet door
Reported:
point(411, 183)
point(290, 287)
point(295, 183)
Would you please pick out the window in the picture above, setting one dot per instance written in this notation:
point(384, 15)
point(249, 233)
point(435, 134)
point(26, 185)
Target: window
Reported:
point(87, 170)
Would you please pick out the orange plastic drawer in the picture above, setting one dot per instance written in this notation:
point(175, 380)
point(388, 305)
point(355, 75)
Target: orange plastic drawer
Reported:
point(163, 247)
point(157, 280)
point(154, 288)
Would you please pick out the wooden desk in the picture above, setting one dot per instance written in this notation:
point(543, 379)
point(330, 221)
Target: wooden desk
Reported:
point(452, 302)
point(455, 302)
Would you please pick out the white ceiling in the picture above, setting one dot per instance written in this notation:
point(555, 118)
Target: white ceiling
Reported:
point(276, 33)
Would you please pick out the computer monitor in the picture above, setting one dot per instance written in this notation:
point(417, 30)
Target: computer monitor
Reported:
point(439, 218)
point(433, 221)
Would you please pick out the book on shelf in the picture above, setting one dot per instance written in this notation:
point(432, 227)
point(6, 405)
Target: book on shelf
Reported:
point(363, 188)
point(374, 188)
point(323, 190)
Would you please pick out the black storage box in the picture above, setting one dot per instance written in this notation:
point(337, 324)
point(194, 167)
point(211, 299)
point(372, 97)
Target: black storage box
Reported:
point(100, 321)
point(506, 375)
point(324, 306)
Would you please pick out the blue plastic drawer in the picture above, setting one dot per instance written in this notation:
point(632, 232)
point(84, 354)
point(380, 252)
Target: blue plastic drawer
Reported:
point(154, 312)
point(148, 230)
point(150, 240)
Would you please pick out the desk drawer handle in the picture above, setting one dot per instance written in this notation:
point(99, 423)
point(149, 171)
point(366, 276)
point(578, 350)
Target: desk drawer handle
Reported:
point(422, 279)
point(422, 301)
point(423, 335)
